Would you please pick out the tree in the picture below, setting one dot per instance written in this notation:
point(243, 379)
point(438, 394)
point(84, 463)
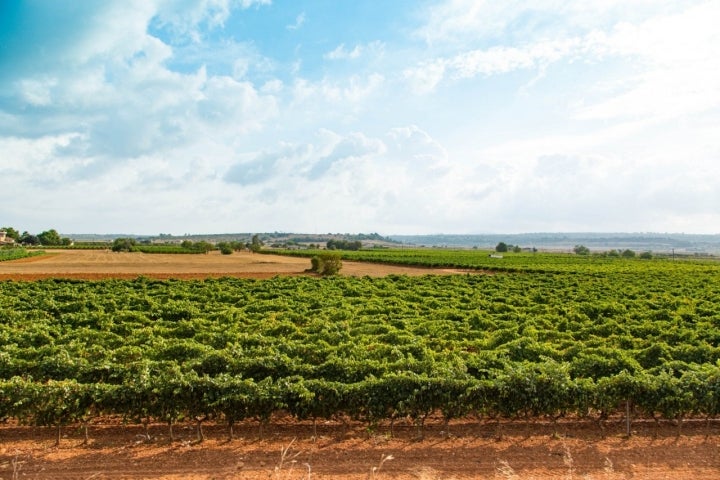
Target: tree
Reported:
point(204, 246)
point(123, 244)
point(646, 255)
point(581, 250)
point(517, 249)
point(256, 244)
point(28, 239)
point(501, 247)
point(225, 248)
point(50, 237)
point(333, 244)
point(628, 253)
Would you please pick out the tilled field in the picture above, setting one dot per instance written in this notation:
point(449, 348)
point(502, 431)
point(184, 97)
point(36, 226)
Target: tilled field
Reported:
point(287, 450)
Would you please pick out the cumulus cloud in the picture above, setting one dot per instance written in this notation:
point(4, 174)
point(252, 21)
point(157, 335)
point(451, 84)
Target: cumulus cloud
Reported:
point(269, 164)
point(121, 100)
point(678, 75)
point(353, 147)
point(534, 116)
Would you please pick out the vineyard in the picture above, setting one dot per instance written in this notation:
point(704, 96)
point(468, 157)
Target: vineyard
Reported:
point(7, 254)
point(517, 262)
point(559, 336)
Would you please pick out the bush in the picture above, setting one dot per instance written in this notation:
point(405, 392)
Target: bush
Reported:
point(326, 264)
point(123, 245)
point(225, 248)
point(581, 250)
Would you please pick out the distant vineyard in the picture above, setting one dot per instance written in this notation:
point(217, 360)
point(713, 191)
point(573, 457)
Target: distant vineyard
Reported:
point(515, 262)
point(16, 253)
point(645, 336)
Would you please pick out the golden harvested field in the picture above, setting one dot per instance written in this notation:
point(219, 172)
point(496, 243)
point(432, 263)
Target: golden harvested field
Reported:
point(98, 264)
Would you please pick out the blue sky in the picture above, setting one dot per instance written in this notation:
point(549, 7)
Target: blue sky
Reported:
point(402, 117)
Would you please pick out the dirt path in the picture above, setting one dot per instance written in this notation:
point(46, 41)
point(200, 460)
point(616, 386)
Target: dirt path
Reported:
point(97, 264)
point(577, 451)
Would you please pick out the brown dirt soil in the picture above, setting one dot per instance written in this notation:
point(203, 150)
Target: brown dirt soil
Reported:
point(99, 264)
point(287, 450)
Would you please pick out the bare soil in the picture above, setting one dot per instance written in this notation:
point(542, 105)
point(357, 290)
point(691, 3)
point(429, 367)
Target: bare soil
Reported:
point(287, 449)
point(99, 264)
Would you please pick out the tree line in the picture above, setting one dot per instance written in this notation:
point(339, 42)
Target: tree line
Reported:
point(46, 238)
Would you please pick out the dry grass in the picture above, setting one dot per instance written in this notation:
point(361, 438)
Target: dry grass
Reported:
point(286, 467)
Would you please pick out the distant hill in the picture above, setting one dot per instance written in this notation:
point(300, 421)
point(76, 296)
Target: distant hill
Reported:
point(655, 242)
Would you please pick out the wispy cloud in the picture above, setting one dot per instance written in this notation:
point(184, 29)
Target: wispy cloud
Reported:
point(341, 52)
point(299, 22)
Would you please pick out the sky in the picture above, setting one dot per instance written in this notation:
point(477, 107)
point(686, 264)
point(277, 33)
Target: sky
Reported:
point(396, 117)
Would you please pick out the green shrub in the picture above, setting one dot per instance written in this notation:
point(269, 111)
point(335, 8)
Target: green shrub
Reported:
point(326, 264)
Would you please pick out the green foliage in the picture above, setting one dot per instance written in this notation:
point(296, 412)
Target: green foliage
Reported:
point(131, 245)
point(326, 264)
point(16, 253)
point(29, 239)
point(501, 247)
point(569, 336)
point(123, 245)
point(334, 244)
point(52, 238)
point(581, 250)
point(255, 244)
point(225, 248)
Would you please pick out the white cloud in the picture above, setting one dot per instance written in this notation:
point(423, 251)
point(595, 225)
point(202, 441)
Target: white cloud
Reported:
point(299, 22)
point(185, 17)
point(347, 93)
point(679, 75)
point(462, 22)
point(341, 52)
point(426, 76)
point(120, 100)
point(37, 91)
point(668, 69)
point(536, 116)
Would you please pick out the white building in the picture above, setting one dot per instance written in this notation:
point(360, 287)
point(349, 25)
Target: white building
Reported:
point(4, 239)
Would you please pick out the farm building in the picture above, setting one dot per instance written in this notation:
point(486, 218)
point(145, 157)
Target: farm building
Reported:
point(4, 239)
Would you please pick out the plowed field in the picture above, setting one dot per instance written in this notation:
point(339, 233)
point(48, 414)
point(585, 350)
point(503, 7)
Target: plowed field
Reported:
point(576, 450)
